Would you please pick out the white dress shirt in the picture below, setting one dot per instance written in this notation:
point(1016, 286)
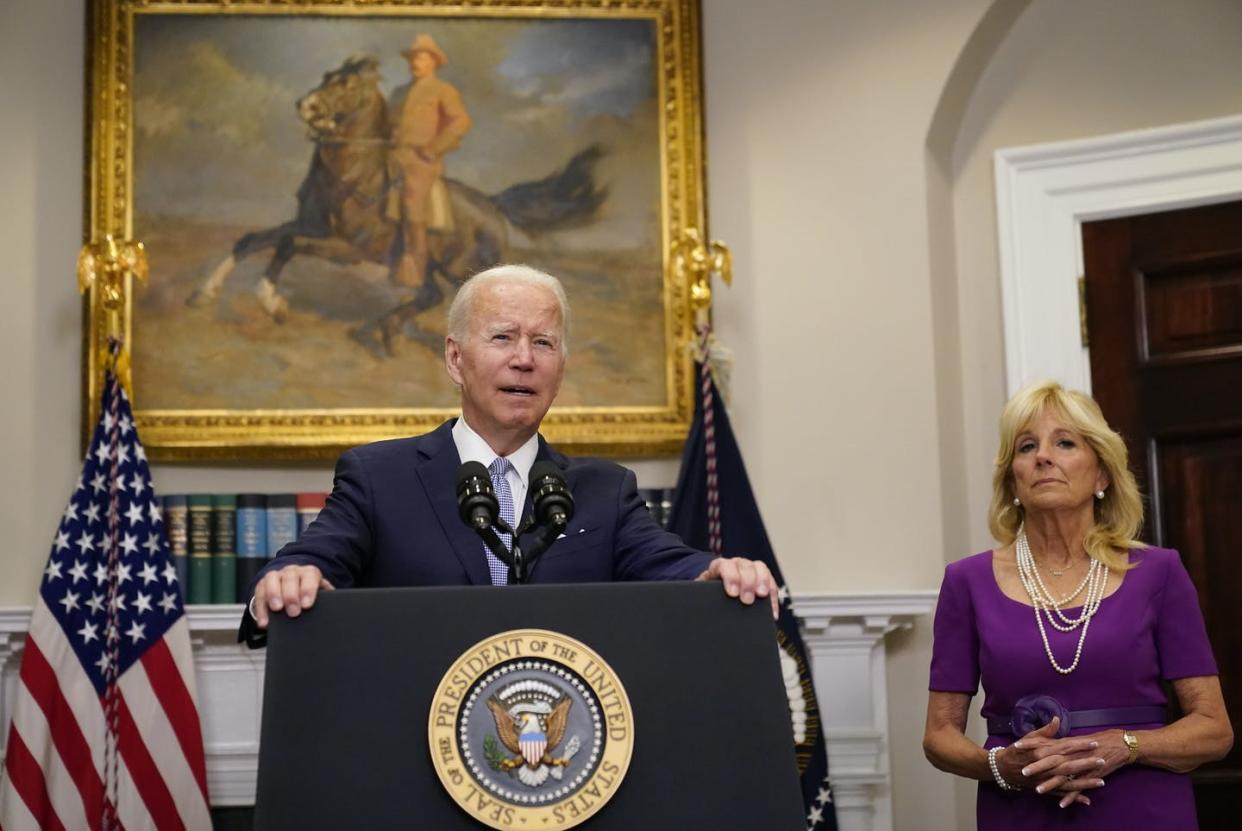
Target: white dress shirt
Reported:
point(472, 448)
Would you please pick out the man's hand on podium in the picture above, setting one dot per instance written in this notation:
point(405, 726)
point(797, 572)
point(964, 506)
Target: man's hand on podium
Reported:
point(744, 579)
point(289, 590)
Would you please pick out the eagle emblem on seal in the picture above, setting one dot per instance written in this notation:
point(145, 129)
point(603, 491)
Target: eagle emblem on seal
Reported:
point(531, 717)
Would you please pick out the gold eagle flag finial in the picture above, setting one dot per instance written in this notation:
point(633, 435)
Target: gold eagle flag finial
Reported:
point(695, 262)
point(103, 266)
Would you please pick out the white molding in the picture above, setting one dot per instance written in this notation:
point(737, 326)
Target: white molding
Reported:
point(13, 625)
point(228, 677)
point(217, 619)
point(1043, 195)
point(813, 607)
point(844, 635)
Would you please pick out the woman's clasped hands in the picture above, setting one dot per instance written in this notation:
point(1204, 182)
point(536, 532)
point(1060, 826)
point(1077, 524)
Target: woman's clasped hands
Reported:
point(1064, 767)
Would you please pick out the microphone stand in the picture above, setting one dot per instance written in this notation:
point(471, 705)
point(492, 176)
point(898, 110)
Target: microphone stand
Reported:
point(542, 539)
point(485, 519)
point(520, 562)
point(552, 508)
point(515, 561)
point(479, 509)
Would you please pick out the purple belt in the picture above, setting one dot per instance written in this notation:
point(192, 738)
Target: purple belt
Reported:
point(1034, 711)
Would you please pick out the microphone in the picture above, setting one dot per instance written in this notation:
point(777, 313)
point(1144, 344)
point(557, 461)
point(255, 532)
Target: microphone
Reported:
point(476, 502)
point(553, 503)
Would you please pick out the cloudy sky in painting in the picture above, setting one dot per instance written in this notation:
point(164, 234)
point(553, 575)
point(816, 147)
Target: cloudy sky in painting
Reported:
point(217, 138)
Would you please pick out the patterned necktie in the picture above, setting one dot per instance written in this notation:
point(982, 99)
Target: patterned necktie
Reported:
point(504, 495)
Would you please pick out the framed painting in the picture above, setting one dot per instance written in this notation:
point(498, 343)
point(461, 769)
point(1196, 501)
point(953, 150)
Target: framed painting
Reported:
point(309, 204)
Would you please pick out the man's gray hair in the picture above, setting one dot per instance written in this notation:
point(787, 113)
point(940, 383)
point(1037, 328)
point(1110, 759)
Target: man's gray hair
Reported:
point(462, 307)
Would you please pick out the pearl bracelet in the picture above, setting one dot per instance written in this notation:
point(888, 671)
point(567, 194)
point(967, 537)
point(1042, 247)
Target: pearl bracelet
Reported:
point(1000, 780)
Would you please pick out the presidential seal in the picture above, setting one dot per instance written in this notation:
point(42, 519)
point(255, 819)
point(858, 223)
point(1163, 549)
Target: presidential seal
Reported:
point(530, 729)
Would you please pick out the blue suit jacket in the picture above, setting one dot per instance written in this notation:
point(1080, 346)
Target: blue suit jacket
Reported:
point(392, 520)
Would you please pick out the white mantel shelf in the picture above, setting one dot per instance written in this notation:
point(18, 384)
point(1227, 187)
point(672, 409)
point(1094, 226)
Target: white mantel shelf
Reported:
point(844, 635)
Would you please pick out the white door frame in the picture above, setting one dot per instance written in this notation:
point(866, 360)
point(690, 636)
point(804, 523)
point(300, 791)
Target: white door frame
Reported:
point(1043, 195)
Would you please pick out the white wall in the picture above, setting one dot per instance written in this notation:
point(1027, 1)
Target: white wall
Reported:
point(849, 151)
point(1070, 70)
point(41, 48)
point(817, 121)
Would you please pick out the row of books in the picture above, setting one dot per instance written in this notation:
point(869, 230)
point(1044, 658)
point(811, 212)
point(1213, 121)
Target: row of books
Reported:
point(659, 503)
point(219, 541)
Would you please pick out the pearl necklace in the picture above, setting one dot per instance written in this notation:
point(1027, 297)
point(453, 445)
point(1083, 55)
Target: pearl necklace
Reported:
point(1094, 583)
point(1054, 603)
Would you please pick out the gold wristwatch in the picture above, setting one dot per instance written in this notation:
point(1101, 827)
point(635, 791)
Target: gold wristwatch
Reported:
point(1131, 742)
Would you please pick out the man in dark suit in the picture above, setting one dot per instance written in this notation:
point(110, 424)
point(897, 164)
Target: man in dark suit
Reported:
point(392, 517)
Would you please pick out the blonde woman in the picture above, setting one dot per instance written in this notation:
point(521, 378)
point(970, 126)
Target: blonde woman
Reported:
point(1073, 627)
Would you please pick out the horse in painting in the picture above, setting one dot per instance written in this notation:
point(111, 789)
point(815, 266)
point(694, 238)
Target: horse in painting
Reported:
point(347, 207)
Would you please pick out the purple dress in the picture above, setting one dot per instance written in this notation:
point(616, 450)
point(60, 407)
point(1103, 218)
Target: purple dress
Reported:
point(1150, 630)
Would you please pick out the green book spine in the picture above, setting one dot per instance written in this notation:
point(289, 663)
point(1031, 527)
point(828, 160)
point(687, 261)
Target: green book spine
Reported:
point(177, 524)
point(224, 548)
point(200, 548)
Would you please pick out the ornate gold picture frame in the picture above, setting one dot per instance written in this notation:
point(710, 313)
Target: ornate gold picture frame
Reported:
point(254, 149)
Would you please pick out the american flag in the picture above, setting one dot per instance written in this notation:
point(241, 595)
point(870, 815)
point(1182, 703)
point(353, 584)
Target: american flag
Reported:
point(105, 731)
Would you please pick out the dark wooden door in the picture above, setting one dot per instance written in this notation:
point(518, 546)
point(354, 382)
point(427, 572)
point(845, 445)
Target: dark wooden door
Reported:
point(1164, 312)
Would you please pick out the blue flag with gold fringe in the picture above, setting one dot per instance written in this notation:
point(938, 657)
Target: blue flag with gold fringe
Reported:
point(715, 510)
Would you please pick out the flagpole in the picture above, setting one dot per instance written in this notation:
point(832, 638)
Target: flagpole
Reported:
point(103, 269)
point(113, 653)
point(696, 262)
